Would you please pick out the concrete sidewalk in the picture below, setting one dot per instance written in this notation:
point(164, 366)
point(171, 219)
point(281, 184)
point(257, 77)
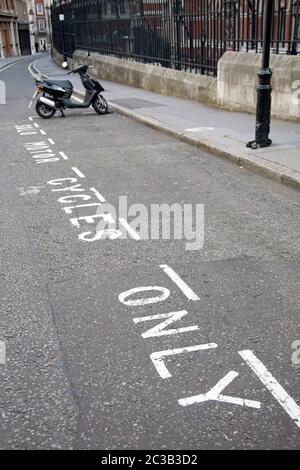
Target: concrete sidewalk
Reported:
point(220, 132)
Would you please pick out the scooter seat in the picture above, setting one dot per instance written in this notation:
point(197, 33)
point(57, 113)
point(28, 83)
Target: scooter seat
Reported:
point(62, 83)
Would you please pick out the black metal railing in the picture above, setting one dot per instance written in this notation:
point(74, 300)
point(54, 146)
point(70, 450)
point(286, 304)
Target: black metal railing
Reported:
point(189, 35)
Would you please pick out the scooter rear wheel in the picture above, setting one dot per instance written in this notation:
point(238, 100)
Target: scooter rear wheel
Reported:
point(100, 105)
point(44, 111)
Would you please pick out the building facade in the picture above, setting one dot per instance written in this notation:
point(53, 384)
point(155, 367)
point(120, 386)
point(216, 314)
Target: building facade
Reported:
point(39, 17)
point(9, 45)
point(14, 28)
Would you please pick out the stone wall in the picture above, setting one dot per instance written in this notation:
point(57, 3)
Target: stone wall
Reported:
point(151, 77)
point(233, 89)
point(237, 78)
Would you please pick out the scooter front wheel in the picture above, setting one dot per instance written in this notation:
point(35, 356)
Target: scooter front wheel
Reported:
point(100, 105)
point(44, 111)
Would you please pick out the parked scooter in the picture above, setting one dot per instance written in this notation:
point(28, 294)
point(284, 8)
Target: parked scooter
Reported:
point(56, 94)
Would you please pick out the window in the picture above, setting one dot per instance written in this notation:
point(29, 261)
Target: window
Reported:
point(122, 7)
point(41, 25)
point(40, 8)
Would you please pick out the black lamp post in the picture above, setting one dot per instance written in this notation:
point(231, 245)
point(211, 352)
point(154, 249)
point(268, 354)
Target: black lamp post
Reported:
point(296, 15)
point(264, 89)
point(203, 39)
point(62, 20)
point(177, 17)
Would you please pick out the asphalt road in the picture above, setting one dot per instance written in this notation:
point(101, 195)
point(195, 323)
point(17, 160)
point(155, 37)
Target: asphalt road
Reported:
point(80, 371)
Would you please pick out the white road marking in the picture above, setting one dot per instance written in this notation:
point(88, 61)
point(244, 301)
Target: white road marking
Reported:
point(2, 352)
point(159, 330)
point(41, 152)
point(90, 219)
point(157, 357)
point(214, 394)
point(296, 354)
point(188, 292)
point(278, 392)
point(36, 76)
point(36, 124)
point(69, 210)
point(31, 71)
point(78, 172)
point(200, 129)
point(51, 141)
point(30, 104)
point(43, 132)
point(129, 229)
point(72, 198)
point(149, 300)
point(60, 181)
point(26, 129)
point(63, 155)
point(30, 190)
point(11, 65)
point(98, 195)
point(30, 118)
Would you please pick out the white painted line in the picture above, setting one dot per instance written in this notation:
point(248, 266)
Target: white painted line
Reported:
point(32, 72)
point(157, 357)
point(63, 155)
point(214, 394)
point(36, 124)
point(160, 328)
point(30, 104)
point(188, 292)
point(43, 132)
point(11, 65)
point(69, 209)
point(164, 294)
point(2, 352)
point(98, 195)
point(90, 219)
point(278, 392)
point(78, 172)
point(30, 118)
point(129, 229)
point(36, 76)
point(200, 129)
point(51, 141)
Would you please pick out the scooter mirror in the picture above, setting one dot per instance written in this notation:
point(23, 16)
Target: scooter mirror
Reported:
point(64, 65)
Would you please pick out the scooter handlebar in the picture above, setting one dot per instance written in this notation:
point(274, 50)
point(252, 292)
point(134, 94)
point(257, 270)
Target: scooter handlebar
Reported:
point(80, 68)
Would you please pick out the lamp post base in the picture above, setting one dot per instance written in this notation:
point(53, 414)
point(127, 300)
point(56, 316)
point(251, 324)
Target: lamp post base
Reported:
point(263, 110)
point(253, 144)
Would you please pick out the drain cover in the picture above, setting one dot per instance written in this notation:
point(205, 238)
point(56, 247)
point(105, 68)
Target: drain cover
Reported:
point(135, 103)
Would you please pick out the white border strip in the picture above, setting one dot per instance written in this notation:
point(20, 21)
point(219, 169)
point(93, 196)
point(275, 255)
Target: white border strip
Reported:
point(98, 195)
point(63, 155)
point(78, 172)
point(188, 292)
point(278, 392)
point(129, 229)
